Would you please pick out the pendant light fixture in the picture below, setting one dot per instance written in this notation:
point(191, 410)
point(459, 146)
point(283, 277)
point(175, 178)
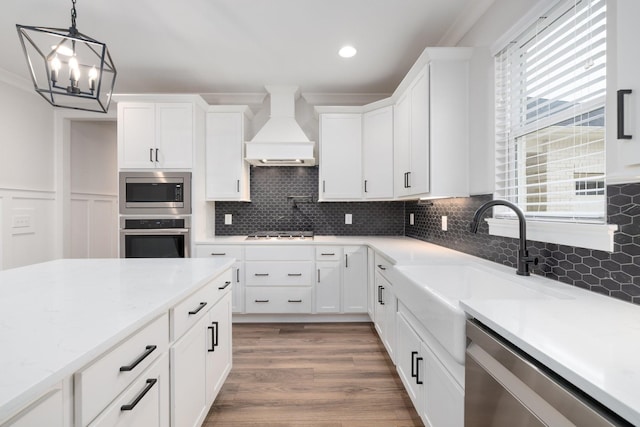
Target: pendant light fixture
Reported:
point(68, 68)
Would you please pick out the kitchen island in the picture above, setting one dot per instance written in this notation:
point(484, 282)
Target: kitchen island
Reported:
point(59, 317)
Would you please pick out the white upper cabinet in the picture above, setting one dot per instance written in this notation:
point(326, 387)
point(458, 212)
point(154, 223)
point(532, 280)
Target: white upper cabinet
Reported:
point(623, 64)
point(227, 173)
point(340, 156)
point(377, 154)
point(431, 130)
point(155, 135)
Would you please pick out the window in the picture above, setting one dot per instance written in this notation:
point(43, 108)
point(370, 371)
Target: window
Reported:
point(550, 106)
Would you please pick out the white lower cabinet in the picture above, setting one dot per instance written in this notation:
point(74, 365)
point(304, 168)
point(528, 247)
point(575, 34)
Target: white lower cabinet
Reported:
point(46, 411)
point(354, 280)
point(436, 395)
point(385, 314)
point(237, 270)
point(144, 403)
point(327, 287)
point(218, 360)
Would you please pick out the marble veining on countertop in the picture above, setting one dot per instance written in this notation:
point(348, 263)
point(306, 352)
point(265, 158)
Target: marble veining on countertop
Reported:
point(59, 315)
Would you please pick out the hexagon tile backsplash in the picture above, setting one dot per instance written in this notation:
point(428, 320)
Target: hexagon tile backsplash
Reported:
point(616, 274)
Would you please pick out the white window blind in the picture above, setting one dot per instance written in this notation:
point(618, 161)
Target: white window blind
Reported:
point(550, 99)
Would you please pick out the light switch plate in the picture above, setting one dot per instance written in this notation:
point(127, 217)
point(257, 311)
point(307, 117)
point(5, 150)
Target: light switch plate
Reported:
point(348, 219)
point(444, 223)
point(228, 219)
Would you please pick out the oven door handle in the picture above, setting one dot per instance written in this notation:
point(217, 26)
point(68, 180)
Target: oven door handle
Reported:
point(143, 231)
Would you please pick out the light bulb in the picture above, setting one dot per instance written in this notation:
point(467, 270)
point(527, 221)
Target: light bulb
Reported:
point(74, 69)
point(55, 65)
point(93, 75)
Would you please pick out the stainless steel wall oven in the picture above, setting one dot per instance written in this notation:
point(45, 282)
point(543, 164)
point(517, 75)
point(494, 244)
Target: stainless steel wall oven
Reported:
point(155, 238)
point(155, 193)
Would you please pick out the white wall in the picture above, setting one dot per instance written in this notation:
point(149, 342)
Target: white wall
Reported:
point(496, 21)
point(93, 189)
point(27, 176)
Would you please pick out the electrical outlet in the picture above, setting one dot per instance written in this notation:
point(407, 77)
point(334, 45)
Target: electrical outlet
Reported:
point(22, 221)
point(348, 219)
point(444, 223)
point(228, 219)
point(412, 219)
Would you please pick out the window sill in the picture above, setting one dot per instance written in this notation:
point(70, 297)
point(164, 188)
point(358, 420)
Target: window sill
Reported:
point(590, 236)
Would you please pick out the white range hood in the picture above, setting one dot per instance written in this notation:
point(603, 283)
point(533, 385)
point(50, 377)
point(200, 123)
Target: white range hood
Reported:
point(281, 141)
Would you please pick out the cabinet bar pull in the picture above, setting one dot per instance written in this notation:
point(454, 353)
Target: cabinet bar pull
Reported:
point(382, 267)
point(413, 371)
point(147, 351)
point(408, 179)
point(238, 275)
point(418, 360)
point(150, 383)
point(261, 274)
point(294, 274)
point(200, 307)
point(380, 300)
point(621, 94)
point(365, 186)
point(157, 149)
point(295, 300)
point(346, 261)
point(323, 186)
point(218, 253)
point(225, 286)
point(214, 336)
point(151, 154)
point(261, 300)
point(238, 185)
point(318, 275)
point(328, 254)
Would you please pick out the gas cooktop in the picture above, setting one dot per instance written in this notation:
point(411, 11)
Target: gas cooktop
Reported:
point(281, 235)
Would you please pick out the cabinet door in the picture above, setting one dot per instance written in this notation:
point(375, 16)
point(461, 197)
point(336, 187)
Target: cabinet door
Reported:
point(136, 135)
point(218, 348)
point(381, 286)
point(354, 280)
point(327, 288)
point(226, 172)
point(174, 135)
point(390, 309)
point(188, 381)
point(409, 361)
point(419, 134)
point(377, 153)
point(340, 156)
point(47, 411)
point(443, 397)
point(371, 284)
point(401, 145)
point(627, 70)
point(237, 293)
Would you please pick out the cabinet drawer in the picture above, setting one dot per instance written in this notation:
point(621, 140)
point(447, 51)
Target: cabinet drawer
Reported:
point(328, 253)
point(99, 383)
point(278, 273)
point(278, 300)
point(231, 251)
point(279, 253)
point(382, 264)
point(144, 403)
point(187, 313)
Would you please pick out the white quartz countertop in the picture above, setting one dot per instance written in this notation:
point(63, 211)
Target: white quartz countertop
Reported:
point(57, 316)
point(591, 340)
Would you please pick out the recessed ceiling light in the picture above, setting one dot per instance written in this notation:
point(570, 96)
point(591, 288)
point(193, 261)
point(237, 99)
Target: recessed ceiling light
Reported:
point(347, 51)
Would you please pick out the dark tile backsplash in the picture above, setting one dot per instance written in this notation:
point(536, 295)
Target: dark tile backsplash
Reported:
point(616, 274)
point(270, 208)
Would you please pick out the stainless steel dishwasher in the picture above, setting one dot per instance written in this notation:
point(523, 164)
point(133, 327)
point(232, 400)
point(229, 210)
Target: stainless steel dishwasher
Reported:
point(504, 387)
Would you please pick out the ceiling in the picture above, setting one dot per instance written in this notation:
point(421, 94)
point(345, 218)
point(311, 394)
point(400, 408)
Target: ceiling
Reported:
point(228, 46)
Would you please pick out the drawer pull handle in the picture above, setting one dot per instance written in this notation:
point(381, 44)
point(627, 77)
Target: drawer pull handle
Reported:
point(382, 267)
point(346, 261)
point(261, 300)
point(238, 275)
point(295, 300)
point(294, 274)
point(218, 253)
point(148, 350)
point(225, 286)
point(318, 275)
point(214, 336)
point(413, 368)
point(200, 307)
point(150, 383)
point(418, 380)
point(261, 274)
point(328, 254)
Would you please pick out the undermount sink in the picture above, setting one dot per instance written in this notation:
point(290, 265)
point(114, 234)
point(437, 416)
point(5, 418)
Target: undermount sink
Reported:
point(433, 293)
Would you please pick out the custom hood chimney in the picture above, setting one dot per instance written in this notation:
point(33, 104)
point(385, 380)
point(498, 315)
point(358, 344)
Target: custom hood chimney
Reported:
point(281, 141)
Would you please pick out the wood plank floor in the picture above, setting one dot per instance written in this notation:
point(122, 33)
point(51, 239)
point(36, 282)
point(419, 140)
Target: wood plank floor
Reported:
point(319, 374)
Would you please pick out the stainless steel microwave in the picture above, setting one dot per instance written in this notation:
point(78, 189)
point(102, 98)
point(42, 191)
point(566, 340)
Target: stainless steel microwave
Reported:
point(155, 192)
